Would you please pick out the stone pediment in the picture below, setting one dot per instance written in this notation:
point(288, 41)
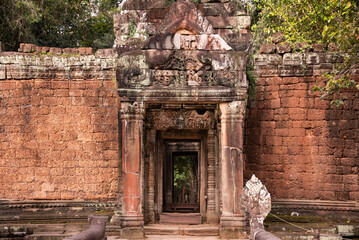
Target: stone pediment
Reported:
point(185, 16)
point(184, 59)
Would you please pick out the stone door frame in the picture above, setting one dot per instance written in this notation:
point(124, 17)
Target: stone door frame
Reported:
point(159, 158)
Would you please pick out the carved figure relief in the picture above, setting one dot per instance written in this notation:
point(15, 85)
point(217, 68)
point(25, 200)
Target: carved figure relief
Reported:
point(255, 200)
point(188, 42)
point(180, 119)
point(163, 77)
point(185, 15)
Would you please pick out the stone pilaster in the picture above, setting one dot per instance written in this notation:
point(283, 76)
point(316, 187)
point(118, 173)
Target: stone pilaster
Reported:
point(211, 207)
point(232, 163)
point(131, 115)
point(151, 176)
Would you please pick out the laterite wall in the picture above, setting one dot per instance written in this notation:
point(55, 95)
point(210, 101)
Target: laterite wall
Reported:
point(298, 145)
point(58, 126)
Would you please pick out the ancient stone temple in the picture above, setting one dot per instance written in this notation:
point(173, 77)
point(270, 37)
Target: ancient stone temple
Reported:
point(182, 94)
point(160, 129)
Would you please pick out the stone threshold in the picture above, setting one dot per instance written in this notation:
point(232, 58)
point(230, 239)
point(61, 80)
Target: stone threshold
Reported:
point(184, 230)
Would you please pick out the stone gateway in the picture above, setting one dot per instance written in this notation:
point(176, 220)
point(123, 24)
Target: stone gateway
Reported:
point(182, 94)
point(160, 129)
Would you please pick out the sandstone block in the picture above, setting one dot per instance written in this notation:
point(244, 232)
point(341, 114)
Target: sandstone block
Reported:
point(244, 22)
point(105, 53)
point(267, 59)
point(156, 13)
point(293, 59)
point(55, 50)
point(318, 47)
point(219, 9)
point(67, 51)
point(85, 51)
point(267, 48)
point(283, 47)
point(45, 49)
point(223, 21)
point(27, 47)
point(312, 59)
point(165, 41)
point(2, 72)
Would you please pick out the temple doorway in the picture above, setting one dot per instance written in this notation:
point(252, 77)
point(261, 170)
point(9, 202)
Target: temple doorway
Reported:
point(181, 175)
point(181, 181)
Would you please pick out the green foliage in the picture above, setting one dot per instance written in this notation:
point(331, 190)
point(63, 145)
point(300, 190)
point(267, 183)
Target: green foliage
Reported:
point(132, 28)
point(312, 21)
point(57, 23)
point(252, 80)
point(182, 176)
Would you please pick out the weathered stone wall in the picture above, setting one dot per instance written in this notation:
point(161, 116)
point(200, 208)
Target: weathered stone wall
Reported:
point(58, 126)
point(298, 145)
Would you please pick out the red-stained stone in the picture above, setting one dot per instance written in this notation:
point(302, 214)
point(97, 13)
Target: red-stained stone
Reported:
point(54, 50)
point(85, 51)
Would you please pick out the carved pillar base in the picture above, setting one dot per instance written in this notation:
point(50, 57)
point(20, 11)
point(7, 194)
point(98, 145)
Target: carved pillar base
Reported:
point(233, 220)
point(150, 217)
point(116, 219)
point(212, 217)
point(233, 233)
point(132, 221)
point(133, 233)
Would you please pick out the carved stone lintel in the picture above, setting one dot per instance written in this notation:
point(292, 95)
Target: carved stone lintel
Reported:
point(187, 119)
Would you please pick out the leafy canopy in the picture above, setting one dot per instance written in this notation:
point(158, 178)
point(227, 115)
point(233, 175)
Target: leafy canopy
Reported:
point(57, 23)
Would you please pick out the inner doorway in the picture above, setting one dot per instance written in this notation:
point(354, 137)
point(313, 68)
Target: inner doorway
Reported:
point(185, 182)
point(181, 184)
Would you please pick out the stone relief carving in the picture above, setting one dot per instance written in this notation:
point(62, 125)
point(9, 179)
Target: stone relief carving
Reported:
point(255, 200)
point(185, 15)
point(133, 110)
point(191, 68)
point(188, 42)
point(180, 119)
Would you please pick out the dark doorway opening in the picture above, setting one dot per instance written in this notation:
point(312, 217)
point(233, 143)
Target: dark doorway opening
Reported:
point(181, 176)
point(185, 182)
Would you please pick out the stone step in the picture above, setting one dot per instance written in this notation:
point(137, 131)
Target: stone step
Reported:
point(169, 237)
point(184, 230)
point(181, 218)
point(47, 236)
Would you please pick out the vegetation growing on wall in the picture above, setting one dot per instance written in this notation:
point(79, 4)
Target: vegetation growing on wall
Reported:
point(312, 21)
point(57, 23)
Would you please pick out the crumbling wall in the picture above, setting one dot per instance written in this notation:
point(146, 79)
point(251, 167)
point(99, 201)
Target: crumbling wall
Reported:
point(298, 145)
point(58, 124)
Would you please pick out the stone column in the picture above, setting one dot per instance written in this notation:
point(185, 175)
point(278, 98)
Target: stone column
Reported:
point(131, 115)
point(232, 163)
point(211, 206)
point(151, 176)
